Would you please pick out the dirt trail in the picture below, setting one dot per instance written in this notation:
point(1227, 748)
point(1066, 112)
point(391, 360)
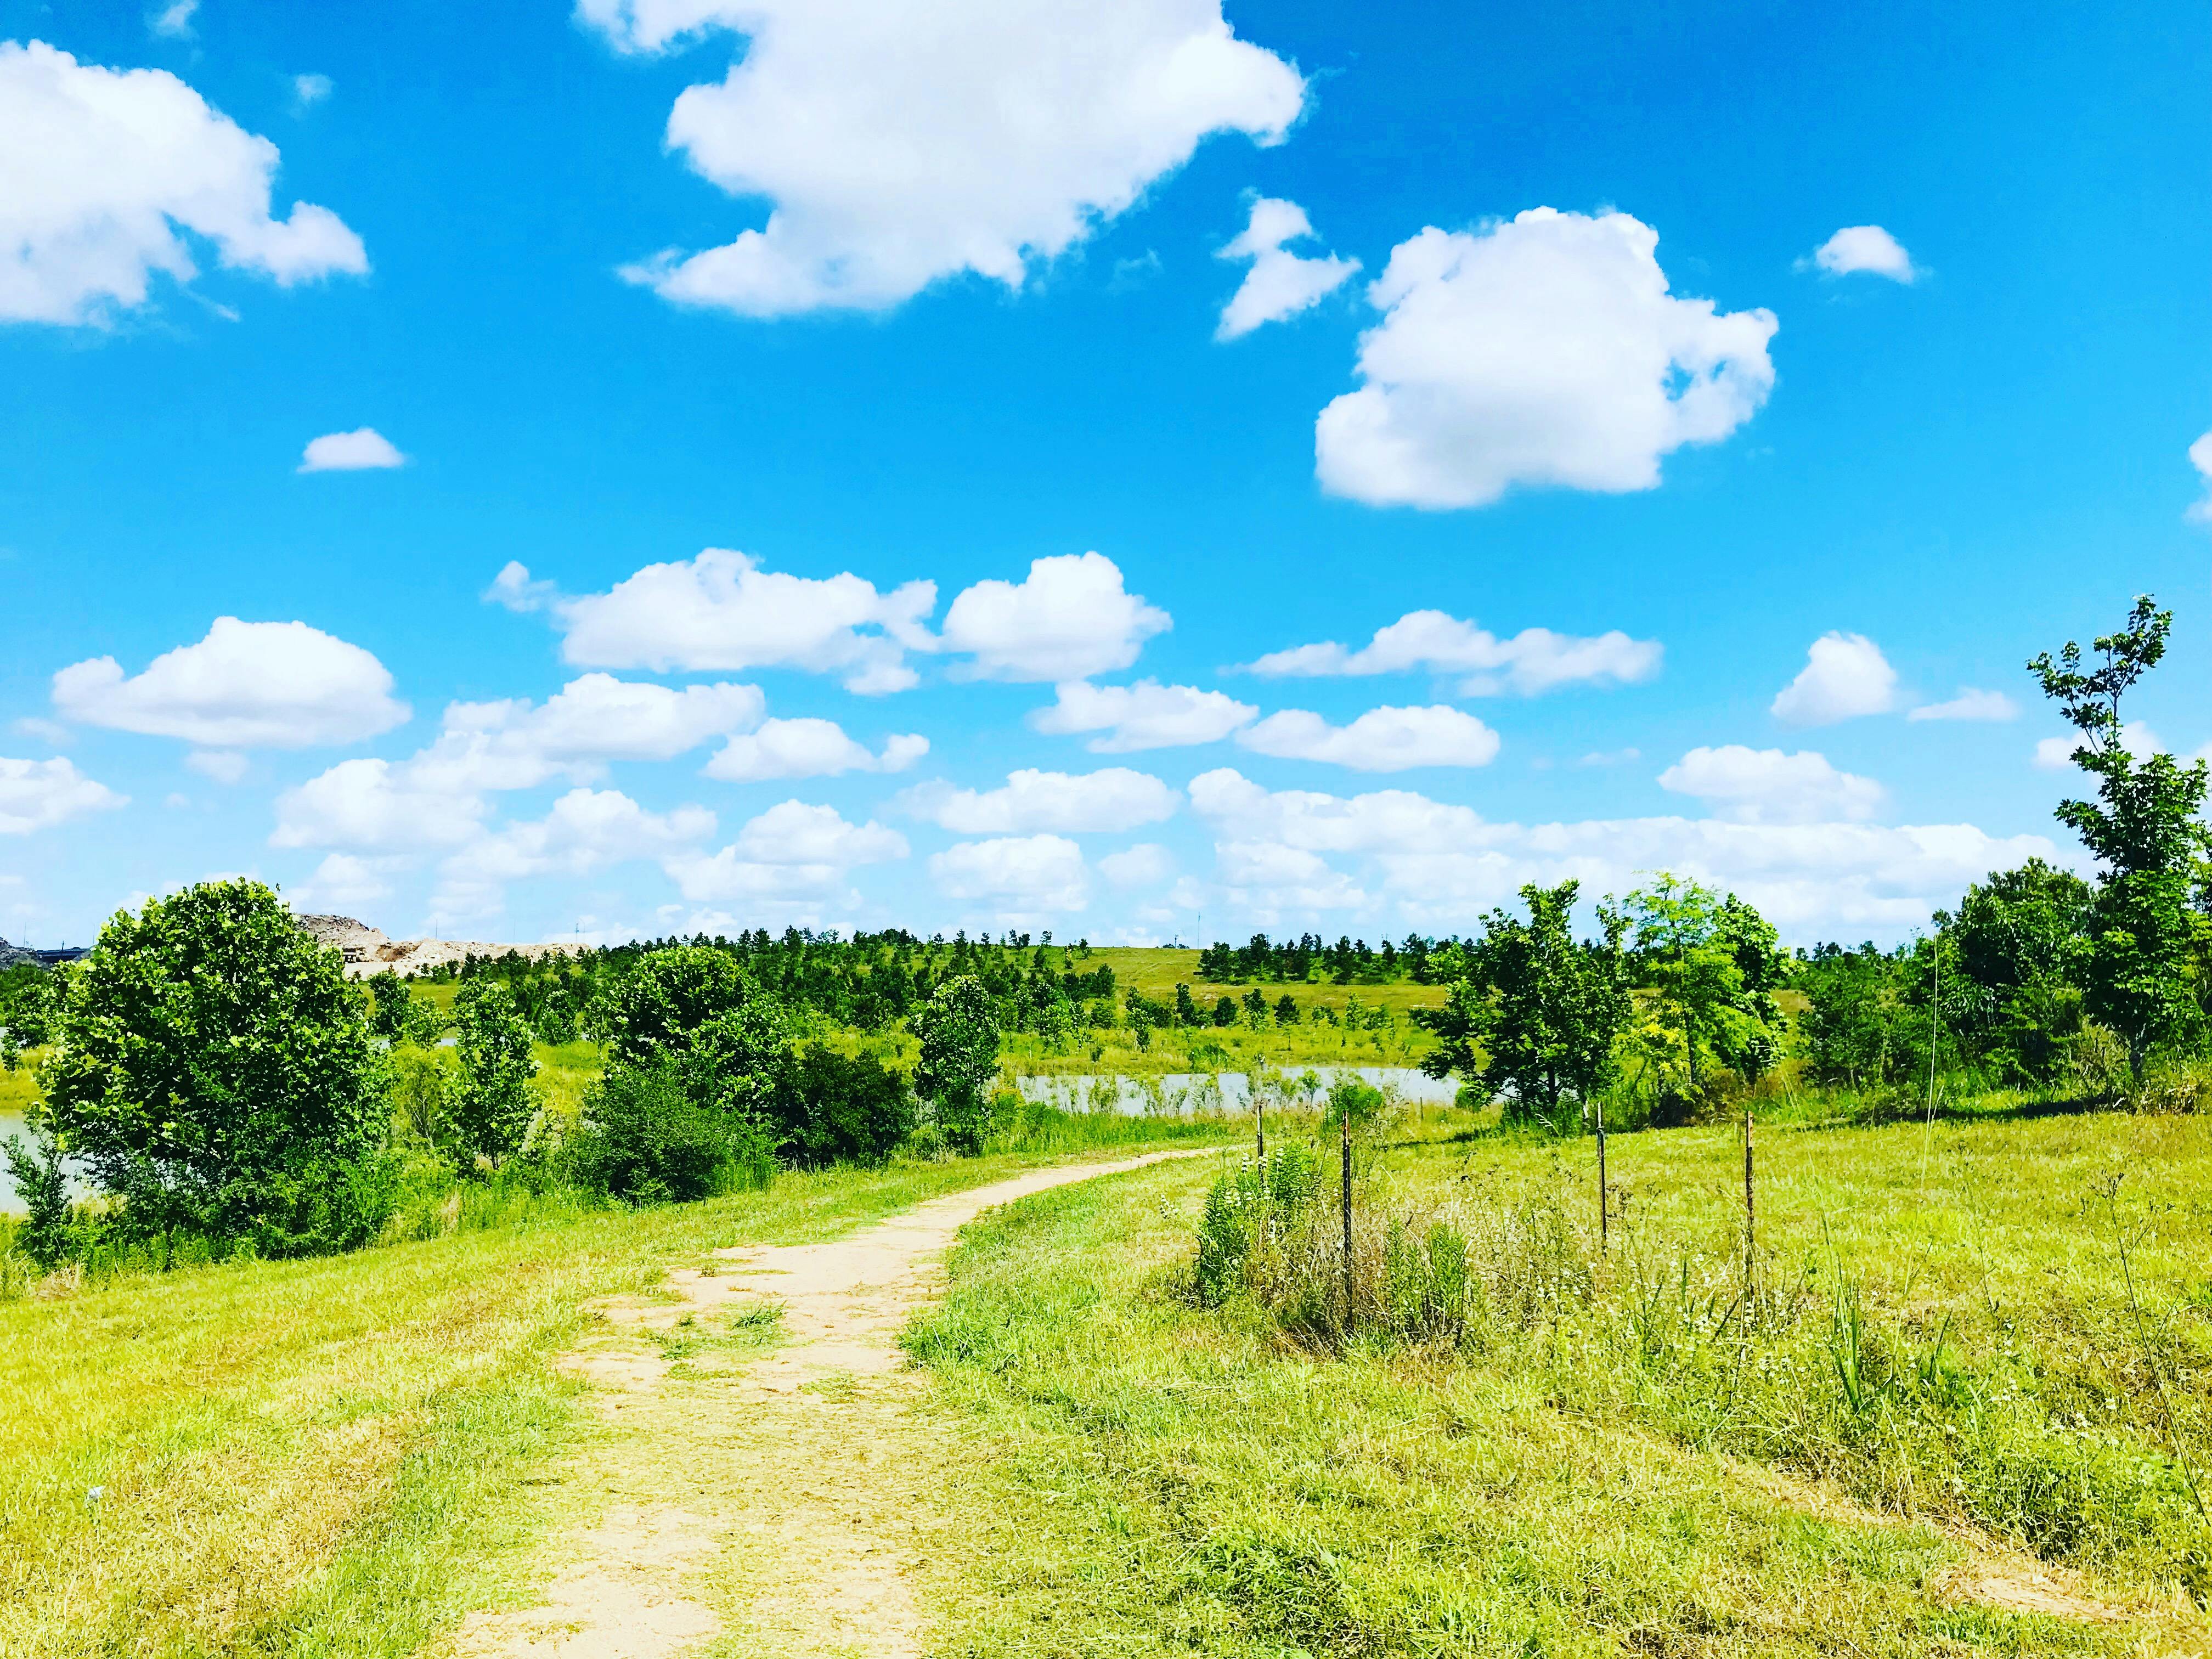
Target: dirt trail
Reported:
point(780, 1501)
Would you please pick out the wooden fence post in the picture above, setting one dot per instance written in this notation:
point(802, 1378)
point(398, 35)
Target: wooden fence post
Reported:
point(1344, 1119)
point(1750, 1213)
point(1601, 1238)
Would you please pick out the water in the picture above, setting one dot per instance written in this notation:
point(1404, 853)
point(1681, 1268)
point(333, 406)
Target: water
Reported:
point(1178, 1093)
point(9, 1125)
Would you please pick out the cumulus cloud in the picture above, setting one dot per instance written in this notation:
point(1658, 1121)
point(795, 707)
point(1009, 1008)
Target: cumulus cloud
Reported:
point(346, 883)
point(1970, 704)
point(247, 685)
point(41, 794)
point(1069, 619)
point(1145, 715)
point(585, 831)
point(106, 168)
point(901, 144)
point(173, 21)
point(1147, 863)
point(792, 851)
point(362, 450)
point(1430, 865)
point(1543, 350)
point(808, 748)
point(723, 611)
point(1112, 798)
point(376, 804)
point(309, 90)
point(1017, 873)
point(1380, 740)
point(219, 765)
point(1534, 661)
point(2200, 457)
point(1867, 248)
point(1764, 785)
point(1845, 675)
point(1281, 284)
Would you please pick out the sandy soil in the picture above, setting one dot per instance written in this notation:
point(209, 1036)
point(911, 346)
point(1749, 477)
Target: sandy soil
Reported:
point(779, 1502)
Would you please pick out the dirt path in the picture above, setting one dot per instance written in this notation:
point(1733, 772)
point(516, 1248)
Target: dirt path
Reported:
point(778, 1502)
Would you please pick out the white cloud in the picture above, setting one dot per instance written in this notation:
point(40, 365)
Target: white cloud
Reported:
point(174, 21)
point(219, 765)
point(104, 168)
point(585, 831)
point(1281, 284)
point(2136, 736)
point(40, 794)
point(247, 685)
point(1380, 740)
point(1069, 619)
point(2051, 753)
point(1845, 675)
point(345, 884)
point(808, 748)
point(1430, 865)
point(2200, 457)
point(1969, 705)
point(1534, 661)
point(363, 450)
point(792, 851)
point(309, 90)
point(46, 731)
point(376, 804)
point(1867, 248)
point(1145, 715)
point(1024, 873)
point(1112, 798)
point(722, 611)
point(1764, 785)
point(900, 143)
point(1543, 350)
point(1147, 863)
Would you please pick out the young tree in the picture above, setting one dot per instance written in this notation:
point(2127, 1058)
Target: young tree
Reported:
point(1543, 1009)
point(656, 1006)
point(2020, 944)
point(215, 1072)
point(959, 1031)
point(2146, 833)
point(1712, 962)
point(389, 1007)
point(491, 1103)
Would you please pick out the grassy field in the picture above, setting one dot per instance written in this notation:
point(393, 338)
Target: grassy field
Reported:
point(336, 1456)
point(1611, 1459)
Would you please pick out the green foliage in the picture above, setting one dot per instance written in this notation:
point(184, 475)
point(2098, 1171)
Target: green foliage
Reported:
point(48, 1233)
point(26, 1007)
point(215, 1073)
point(491, 1107)
point(1245, 1208)
point(1544, 1010)
point(423, 1084)
point(645, 1137)
point(2146, 833)
point(1713, 965)
point(666, 996)
point(857, 1110)
point(958, 1029)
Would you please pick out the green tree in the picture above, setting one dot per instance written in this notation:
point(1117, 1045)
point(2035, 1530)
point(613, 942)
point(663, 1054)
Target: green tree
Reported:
point(1286, 1010)
point(2146, 832)
point(1710, 961)
point(858, 1109)
point(491, 1103)
point(1225, 1010)
point(389, 1006)
point(656, 1006)
point(1536, 1015)
point(2020, 942)
point(958, 1027)
point(214, 1072)
point(1186, 1007)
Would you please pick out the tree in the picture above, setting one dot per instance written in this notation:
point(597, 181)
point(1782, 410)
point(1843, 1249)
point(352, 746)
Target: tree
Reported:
point(1541, 1009)
point(214, 1072)
point(857, 1109)
point(1225, 1010)
point(958, 1027)
point(1186, 1007)
point(1712, 962)
point(491, 1103)
point(667, 996)
point(1286, 1010)
point(2021, 944)
point(2146, 833)
point(389, 1007)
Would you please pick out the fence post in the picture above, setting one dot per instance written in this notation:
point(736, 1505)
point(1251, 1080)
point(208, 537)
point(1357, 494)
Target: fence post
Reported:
point(1601, 1239)
point(1750, 1212)
point(1344, 1120)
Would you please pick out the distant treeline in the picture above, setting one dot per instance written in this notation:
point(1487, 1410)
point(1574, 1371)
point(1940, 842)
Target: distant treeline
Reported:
point(1306, 961)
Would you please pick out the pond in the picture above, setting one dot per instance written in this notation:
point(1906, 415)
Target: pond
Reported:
point(1180, 1092)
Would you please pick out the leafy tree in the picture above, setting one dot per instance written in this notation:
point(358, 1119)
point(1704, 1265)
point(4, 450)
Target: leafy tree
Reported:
point(2020, 949)
point(1225, 1010)
point(1541, 1010)
point(1286, 1010)
point(958, 1028)
point(26, 997)
point(1710, 962)
point(389, 1006)
point(1186, 1007)
point(2145, 831)
point(1846, 1025)
point(215, 1072)
point(491, 1103)
point(667, 996)
point(644, 1136)
point(1255, 1004)
point(47, 1233)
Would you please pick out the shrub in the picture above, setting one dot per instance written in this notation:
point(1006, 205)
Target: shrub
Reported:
point(644, 1136)
point(856, 1110)
point(668, 996)
point(47, 1233)
point(210, 1056)
point(491, 1105)
point(959, 1031)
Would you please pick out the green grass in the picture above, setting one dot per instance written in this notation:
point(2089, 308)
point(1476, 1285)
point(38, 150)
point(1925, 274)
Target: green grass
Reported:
point(326, 1456)
point(1153, 1478)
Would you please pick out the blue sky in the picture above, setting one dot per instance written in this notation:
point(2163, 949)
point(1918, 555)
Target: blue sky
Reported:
point(933, 295)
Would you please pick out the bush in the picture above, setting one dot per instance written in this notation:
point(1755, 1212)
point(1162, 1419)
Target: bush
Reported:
point(856, 1110)
point(215, 1072)
point(644, 1136)
point(491, 1105)
point(47, 1233)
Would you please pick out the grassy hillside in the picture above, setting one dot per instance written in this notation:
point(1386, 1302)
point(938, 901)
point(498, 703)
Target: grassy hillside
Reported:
point(1609, 1461)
